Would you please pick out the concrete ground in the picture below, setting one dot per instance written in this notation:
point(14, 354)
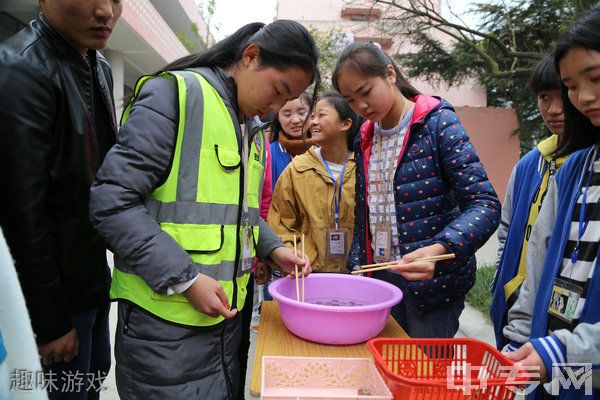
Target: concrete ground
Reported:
point(473, 324)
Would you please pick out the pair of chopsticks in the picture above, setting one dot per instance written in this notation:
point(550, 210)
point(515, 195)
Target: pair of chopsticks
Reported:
point(392, 264)
point(296, 267)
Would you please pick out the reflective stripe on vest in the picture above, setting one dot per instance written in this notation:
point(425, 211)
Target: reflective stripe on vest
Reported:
point(198, 204)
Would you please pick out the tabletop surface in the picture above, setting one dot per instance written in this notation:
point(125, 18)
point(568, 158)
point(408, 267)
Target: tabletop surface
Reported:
point(275, 340)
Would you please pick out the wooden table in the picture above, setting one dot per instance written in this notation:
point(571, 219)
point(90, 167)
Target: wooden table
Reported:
point(275, 340)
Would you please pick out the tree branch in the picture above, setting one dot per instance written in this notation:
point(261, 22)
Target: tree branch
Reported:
point(426, 14)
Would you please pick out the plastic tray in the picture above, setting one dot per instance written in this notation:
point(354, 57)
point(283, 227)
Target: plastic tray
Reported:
point(317, 378)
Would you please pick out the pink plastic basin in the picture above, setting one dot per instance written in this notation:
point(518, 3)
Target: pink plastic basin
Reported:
point(338, 308)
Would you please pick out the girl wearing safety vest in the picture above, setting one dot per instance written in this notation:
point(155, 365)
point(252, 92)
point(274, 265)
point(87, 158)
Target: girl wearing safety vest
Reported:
point(315, 193)
point(177, 199)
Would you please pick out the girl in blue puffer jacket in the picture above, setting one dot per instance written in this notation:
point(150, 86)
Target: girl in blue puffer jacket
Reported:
point(420, 191)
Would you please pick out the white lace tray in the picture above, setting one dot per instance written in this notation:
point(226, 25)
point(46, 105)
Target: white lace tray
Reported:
point(317, 378)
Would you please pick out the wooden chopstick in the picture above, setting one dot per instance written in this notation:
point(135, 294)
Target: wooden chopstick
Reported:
point(378, 265)
point(392, 264)
point(450, 256)
point(296, 269)
point(303, 257)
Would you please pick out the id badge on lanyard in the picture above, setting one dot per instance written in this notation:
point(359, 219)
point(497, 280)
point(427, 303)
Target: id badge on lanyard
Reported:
point(246, 230)
point(247, 242)
point(383, 242)
point(564, 299)
point(336, 238)
point(336, 243)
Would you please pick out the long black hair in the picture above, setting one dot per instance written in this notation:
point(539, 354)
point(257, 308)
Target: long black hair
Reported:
point(369, 60)
point(345, 112)
point(544, 76)
point(282, 43)
point(579, 130)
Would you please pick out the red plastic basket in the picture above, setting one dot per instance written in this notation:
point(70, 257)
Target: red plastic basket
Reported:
point(425, 369)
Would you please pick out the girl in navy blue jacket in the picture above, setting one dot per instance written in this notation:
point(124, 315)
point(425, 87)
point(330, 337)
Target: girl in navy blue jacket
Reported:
point(420, 191)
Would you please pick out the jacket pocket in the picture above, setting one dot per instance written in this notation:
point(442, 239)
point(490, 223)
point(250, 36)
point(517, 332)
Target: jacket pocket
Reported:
point(228, 159)
point(197, 239)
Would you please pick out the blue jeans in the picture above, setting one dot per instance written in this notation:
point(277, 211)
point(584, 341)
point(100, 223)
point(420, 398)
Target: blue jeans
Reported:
point(81, 379)
point(439, 323)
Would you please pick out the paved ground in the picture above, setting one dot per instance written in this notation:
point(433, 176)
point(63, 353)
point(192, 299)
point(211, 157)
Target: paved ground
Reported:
point(473, 324)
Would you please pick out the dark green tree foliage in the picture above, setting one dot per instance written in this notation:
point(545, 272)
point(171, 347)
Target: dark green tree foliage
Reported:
point(500, 51)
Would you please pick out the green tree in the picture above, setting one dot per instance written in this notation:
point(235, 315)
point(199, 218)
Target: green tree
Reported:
point(500, 50)
point(210, 6)
point(193, 40)
point(193, 43)
point(330, 44)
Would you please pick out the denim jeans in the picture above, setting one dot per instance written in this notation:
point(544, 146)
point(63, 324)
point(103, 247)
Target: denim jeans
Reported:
point(439, 323)
point(81, 379)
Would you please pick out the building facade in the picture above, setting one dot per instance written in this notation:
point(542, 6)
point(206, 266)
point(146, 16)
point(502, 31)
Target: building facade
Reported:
point(491, 129)
point(362, 21)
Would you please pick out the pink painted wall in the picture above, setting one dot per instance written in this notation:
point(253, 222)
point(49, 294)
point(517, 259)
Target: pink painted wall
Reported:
point(469, 93)
point(490, 130)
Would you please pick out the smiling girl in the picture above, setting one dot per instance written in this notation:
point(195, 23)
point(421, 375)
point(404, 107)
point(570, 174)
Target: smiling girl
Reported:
point(315, 193)
point(288, 129)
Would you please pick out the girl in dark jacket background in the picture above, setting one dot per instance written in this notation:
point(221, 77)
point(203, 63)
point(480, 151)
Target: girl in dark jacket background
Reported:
point(420, 191)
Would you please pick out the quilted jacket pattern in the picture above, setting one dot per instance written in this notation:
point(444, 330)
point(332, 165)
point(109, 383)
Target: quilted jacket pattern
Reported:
point(442, 195)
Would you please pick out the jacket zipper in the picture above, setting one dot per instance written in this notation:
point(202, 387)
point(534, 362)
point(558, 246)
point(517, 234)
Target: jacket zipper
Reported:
point(128, 309)
point(239, 222)
point(109, 107)
point(223, 365)
point(239, 217)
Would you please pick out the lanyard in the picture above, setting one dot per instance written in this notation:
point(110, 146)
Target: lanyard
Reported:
point(405, 120)
point(245, 135)
point(551, 172)
point(337, 198)
point(583, 224)
point(552, 167)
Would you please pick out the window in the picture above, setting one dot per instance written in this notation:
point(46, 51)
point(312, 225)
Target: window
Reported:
point(385, 42)
point(361, 14)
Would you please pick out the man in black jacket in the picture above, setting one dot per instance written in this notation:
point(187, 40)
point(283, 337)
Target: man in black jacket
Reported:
point(57, 122)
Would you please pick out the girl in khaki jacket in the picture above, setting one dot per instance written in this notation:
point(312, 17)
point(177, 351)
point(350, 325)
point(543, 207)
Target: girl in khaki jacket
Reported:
point(310, 198)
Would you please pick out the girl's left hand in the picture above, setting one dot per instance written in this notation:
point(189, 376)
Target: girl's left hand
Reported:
point(421, 270)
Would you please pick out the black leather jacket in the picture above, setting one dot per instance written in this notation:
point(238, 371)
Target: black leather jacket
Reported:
point(57, 122)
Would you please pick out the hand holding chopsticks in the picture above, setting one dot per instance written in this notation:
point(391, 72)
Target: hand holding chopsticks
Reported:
point(285, 259)
point(392, 264)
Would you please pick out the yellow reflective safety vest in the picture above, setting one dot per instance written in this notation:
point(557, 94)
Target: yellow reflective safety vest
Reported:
point(200, 203)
